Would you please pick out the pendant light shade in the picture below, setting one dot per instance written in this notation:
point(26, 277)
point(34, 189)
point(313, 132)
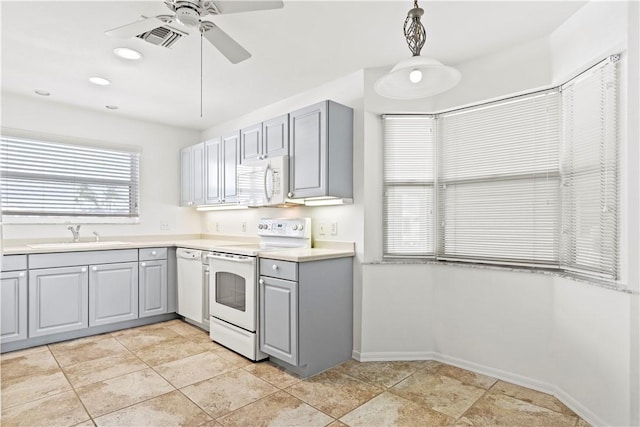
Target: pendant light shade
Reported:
point(416, 77)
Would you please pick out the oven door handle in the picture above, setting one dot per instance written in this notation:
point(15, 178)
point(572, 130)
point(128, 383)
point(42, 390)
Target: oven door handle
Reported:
point(238, 260)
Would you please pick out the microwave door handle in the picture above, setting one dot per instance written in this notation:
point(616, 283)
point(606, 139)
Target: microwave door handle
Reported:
point(238, 260)
point(268, 176)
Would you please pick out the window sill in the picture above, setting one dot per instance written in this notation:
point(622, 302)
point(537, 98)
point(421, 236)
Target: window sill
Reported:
point(15, 219)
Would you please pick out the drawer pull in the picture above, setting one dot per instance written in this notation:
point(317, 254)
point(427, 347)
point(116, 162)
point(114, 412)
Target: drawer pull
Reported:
point(261, 281)
point(143, 264)
point(275, 267)
point(83, 269)
point(153, 253)
point(94, 268)
point(22, 274)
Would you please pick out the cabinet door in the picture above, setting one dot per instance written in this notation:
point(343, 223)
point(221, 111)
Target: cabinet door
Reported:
point(275, 137)
point(197, 174)
point(153, 288)
point(279, 319)
point(185, 177)
point(213, 159)
point(230, 147)
point(251, 143)
point(58, 300)
point(113, 293)
point(308, 151)
point(13, 294)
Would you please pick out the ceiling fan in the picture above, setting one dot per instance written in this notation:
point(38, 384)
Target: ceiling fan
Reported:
point(189, 13)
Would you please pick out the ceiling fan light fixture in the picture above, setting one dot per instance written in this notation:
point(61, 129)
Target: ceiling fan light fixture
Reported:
point(417, 77)
point(127, 53)
point(187, 17)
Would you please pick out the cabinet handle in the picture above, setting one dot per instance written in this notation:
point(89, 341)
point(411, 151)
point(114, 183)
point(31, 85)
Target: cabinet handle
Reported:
point(22, 274)
point(83, 269)
point(290, 194)
point(261, 281)
point(94, 268)
point(143, 264)
point(275, 267)
point(153, 253)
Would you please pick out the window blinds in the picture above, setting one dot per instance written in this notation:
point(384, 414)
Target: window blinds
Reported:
point(409, 172)
point(589, 170)
point(42, 178)
point(498, 183)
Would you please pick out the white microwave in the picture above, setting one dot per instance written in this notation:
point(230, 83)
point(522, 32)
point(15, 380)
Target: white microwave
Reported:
point(263, 182)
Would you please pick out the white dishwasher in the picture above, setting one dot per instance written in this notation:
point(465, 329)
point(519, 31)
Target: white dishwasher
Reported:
point(191, 286)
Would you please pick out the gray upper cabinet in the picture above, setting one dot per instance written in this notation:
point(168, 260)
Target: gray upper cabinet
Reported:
point(58, 300)
point(192, 175)
point(321, 151)
point(13, 299)
point(266, 139)
point(153, 287)
point(213, 171)
point(113, 293)
point(231, 159)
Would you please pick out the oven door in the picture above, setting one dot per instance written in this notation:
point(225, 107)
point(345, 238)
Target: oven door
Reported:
point(233, 289)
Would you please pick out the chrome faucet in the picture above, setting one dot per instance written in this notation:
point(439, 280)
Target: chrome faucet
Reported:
point(75, 232)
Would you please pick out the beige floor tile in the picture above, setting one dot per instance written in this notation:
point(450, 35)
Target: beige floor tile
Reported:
point(279, 409)
point(78, 343)
point(72, 353)
point(382, 374)
point(28, 363)
point(185, 329)
point(97, 370)
point(168, 351)
point(531, 396)
point(193, 369)
point(582, 423)
point(88, 423)
point(25, 389)
point(438, 392)
point(62, 409)
point(334, 393)
point(390, 410)
point(500, 410)
point(225, 393)
point(171, 409)
point(138, 338)
point(204, 340)
point(21, 353)
point(337, 423)
point(232, 356)
point(272, 374)
point(462, 375)
point(116, 393)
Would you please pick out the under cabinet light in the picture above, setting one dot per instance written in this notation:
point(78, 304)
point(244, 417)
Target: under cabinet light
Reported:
point(327, 202)
point(220, 207)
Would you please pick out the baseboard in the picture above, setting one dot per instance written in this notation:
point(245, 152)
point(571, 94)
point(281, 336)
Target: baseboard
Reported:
point(573, 404)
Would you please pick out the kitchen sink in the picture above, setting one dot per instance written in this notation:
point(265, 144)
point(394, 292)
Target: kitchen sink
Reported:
point(69, 245)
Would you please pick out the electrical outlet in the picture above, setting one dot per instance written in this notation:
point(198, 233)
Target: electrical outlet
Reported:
point(334, 228)
point(244, 226)
point(164, 225)
point(322, 228)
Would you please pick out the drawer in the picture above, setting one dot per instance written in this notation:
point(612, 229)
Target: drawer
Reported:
point(14, 262)
point(279, 269)
point(149, 254)
point(70, 259)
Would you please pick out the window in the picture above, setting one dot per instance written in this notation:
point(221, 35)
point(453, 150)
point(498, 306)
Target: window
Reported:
point(41, 178)
point(499, 181)
point(590, 173)
point(529, 180)
point(409, 173)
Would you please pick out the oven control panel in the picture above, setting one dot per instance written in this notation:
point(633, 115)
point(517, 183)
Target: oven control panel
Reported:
point(285, 227)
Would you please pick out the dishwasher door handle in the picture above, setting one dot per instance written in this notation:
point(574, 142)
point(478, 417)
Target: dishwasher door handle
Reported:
point(248, 260)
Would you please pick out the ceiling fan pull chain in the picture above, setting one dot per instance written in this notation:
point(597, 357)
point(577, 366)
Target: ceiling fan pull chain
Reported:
point(201, 35)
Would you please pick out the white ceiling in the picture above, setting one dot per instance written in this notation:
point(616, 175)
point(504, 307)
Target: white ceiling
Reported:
point(56, 45)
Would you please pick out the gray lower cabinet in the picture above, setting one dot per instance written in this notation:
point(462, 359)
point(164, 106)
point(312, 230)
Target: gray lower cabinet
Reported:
point(153, 288)
point(58, 300)
point(279, 318)
point(13, 298)
point(113, 293)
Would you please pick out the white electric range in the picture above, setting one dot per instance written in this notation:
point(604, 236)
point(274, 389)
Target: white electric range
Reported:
point(233, 283)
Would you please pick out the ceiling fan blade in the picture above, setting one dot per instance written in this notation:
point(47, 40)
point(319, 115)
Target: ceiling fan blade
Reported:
point(235, 6)
point(224, 43)
point(136, 28)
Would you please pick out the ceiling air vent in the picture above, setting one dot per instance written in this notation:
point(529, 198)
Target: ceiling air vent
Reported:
point(161, 36)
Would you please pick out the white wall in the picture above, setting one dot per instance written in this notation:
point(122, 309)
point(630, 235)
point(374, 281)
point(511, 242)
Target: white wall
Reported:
point(159, 165)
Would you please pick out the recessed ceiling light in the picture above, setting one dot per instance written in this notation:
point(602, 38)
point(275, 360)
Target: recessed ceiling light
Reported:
point(112, 107)
point(99, 81)
point(126, 53)
point(42, 92)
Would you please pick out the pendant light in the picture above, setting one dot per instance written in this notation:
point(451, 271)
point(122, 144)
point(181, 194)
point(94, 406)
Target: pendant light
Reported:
point(416, 77)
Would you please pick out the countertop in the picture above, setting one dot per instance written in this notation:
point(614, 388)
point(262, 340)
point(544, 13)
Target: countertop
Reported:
point(321, 250)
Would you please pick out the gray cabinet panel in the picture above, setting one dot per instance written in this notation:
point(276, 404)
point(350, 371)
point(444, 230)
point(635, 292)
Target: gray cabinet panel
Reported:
point(279, 319)
point(213, 171)
point(308, 148)
point(113, 293)
point(172, 281)
point(185, 176)
point(70, 259)
point(197, 171)
point(275, 137)
point(153, 288)
point(231, 156)
point(58, 300)
point(14, 262)
point(13, 298)
point(251, 143)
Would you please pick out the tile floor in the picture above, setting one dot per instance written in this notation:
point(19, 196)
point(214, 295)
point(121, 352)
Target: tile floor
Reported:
point(171, 374)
